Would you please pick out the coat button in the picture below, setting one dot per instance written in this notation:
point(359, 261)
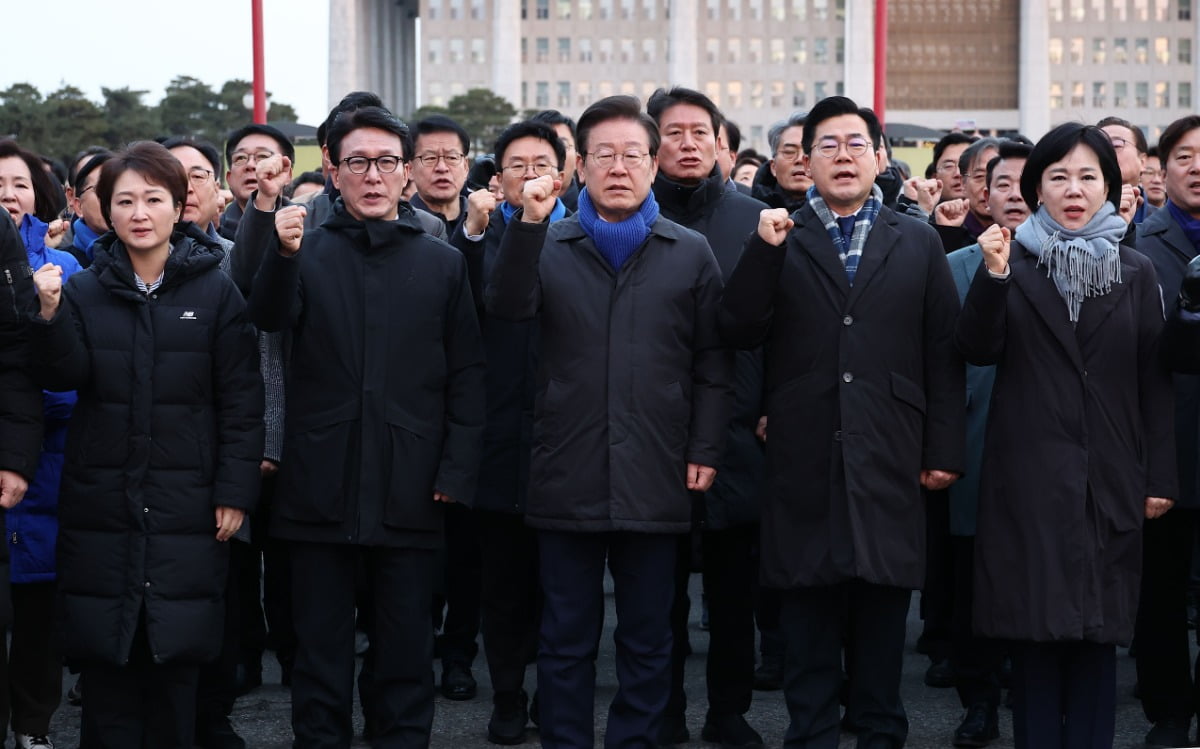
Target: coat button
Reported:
point(145, 509)
point(837, 436)
point(847, 377)
point(147, 583)
point(847, 321)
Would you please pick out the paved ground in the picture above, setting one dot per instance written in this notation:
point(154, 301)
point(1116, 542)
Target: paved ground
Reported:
point(263, 716)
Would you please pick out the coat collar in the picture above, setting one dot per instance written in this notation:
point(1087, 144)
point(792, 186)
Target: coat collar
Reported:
point(813, 240)
point(1162, 224)
point(570, 230)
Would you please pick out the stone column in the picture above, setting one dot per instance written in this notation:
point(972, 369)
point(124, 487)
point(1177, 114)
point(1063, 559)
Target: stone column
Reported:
point(684, 44)
point(1034, 66)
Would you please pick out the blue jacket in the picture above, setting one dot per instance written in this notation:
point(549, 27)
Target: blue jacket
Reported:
point(32, 526)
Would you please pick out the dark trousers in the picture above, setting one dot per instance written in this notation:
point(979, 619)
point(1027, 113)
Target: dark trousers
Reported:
point(976, 660)
point(460, 627)
point(871, 620)
point(730, 570)
point(937, 595)
point(401, 583)
point(767, 604)
point(142, 705)
point(216, 687)
point(1064, 695)
point(264, 590)
point(510, 599)
point(31, 671)
point(1163, 661)
point(572, 573)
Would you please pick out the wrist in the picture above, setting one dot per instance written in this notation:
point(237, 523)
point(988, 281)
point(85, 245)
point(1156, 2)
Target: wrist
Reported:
point(264, 203)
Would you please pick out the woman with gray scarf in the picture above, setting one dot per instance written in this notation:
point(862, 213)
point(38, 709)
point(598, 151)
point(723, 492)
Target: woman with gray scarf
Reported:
point(1079, 442)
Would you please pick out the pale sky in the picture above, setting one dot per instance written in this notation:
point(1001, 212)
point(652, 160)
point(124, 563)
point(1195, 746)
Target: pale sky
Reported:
point(143, 44)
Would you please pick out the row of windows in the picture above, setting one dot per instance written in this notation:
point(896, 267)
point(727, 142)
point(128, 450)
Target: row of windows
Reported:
point(1120, 10)
point(628, 51)
point(629, 10)
point(1120, 95)
point(729, 95)
point(1074, 49)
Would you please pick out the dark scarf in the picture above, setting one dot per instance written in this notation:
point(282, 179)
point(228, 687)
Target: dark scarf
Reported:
point(617, 241)
point(1190, 226)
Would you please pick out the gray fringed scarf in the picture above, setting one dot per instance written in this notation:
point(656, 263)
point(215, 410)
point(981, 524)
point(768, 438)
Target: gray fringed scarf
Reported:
point(1083, 263)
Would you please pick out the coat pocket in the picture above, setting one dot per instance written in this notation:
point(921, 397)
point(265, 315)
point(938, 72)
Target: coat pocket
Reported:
point(314, 473)
point(415, 456)
point(908, 391)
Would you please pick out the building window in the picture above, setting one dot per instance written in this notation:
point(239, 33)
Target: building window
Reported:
point(1056, 10)
point(1141, 10)
point(626, 51)
point(564, 10)
point(477, 11)
point(583, 93)
point(604, 90)
point(1076, 10)
point(543, 49)
point(1121, 95)
point(734, 47)
point(1098, 8)
point(1141, 51)
point(1056, 51)
point(1184, 92)
point(778, 10)
point(606, 50)
point(1077, 50)
point(755, 10)
point(525, 94)
point(585, 10)
point(524, 50)
point(585, 50)
point(712, 90)
point(478, 51)
point(1056, 96)
point(456, 51)
point(755, 51)
point(1185, 51)
point(1099, 47)
point(1141, 94)
point(1077, 97)
point(820, 51)
point(712, 50)
point(776, 94)
point(606, 9)
point(651, 9)
point(564, 49)
point(756, 95)
point(1099, 96)
point(820, 10)
point(799, 50)
point(435, 9)
point(1162, 50)
point(648, 51)
point(627, 11)
point(819, 91)
point(799, 10)
point(1162, 95)
point(1120, 50)
point(628, 88)
point(734, 94)
point(799, 95)
point(1160, 10)
point(735, 10)
point(1185, 11)
point(455, 10)
point(543, 95)
point(839, 14)
point(435, 51)
point(1120, 8)
point(564, 95)
point(714, 9)
point(777, 55)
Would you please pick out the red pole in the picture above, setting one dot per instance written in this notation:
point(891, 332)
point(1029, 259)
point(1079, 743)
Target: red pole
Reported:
point(881, 35)
point(260, 83)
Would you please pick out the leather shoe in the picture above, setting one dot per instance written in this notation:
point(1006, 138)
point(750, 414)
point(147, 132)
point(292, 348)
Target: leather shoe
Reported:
point(979, 728)
point(1169, 732)
point(457, 681)
point(510, 714)
point(939, 675)
point(731, 732)
point(673, 730)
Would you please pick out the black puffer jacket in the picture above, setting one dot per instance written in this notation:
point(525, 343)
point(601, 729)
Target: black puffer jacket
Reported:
point(20, 397)
point(168, 427)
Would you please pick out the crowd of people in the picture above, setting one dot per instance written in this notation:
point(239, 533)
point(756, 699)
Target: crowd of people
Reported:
point(424, 391)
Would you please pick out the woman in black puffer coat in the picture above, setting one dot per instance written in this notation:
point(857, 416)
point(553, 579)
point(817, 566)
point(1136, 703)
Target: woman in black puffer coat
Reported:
point(162, 454)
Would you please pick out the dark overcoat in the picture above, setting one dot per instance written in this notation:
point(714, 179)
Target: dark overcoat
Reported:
point(385, 400)
point(168, 426)
point(1079, 434)
point(633, 381)
point(864, 391)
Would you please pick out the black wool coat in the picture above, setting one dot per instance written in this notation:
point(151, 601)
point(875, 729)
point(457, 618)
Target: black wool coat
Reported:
point(385, 388)
point(167, 428)
point(20, 396)
point(633, 381)
point(863, 391)
point(726, 218)
point(1079, 433)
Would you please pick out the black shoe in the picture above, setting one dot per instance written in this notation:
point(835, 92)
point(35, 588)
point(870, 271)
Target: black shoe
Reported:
point(768, 677)
point(673, 730)
point(939, 675)
point(510, 714)
point(1169, 732)
point(457, 681)
point(980, 727)
point(218, 734)
point(731, 732)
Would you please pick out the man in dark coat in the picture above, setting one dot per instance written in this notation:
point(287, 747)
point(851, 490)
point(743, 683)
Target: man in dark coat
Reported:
point(865, 407)
point(385, 413)
point(1170, 239)
point(691, 191)
point(632, 409)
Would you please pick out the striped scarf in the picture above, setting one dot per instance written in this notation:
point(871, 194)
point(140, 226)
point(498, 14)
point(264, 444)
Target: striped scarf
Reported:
point(849, 251)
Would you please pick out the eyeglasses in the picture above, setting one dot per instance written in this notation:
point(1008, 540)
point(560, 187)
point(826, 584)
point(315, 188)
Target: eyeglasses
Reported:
point(452, 158)
point(362, 164)
point(948, 167)
point(242, 159)
point(540, 168)
point(830, 147)
point(199, 176)
point(1152, 173)
point(1118, 143)
point(605, 158)
point(84, 191)
point(788, 154)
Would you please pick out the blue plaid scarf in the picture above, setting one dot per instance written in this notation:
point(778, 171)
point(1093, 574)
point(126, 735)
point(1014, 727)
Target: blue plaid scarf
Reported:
point(849, 251)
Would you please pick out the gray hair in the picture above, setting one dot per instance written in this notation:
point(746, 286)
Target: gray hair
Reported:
point(972, 152)
point(776, 132)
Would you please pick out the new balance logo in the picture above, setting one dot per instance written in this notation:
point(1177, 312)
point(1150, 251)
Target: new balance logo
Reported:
point(189, 315)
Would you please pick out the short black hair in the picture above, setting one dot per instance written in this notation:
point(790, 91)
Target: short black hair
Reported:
point(46, 194)
point(92, 164)
point(1008, 149)
point(733, 136)
point(836, 106)
point(554, 117)
point(72, 174)
point(619, 107)
point(1056, 144)
point(530, 129)
point(206, 149)
point(663, 99)
point(305, 178)
point(1152, 152)
point(350, 102)
point(1174, 133)
point(440, 123)
point(235, 137)
point(373, 117)
point(949, 139)
point(1139, 138)
point(149, 159)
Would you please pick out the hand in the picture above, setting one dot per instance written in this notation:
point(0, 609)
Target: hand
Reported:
point(1156, 507)
point(995, 242)
point(924, 192)
point(56, 232)
point(700, 478)
point(760, 431)
point(229, 520)
point(951, 212)
point(289, 226)
point(774, 225)
point(273, 174)
point(480, 205)
point(538, 198)
point(440, 497)
point(1189, 290)
point(1131, 200)
point(48, 282)
point(933, 480)
point(268, 468)
point(12, 489)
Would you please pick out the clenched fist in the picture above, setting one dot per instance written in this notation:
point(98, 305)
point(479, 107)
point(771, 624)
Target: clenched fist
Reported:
point(289, 225)
point(273, 174)
point(538, 198)
point(480, 205)
point(924, 192)
point(1131, 200)
point(774, 225)
point(48, 282)
point(995, 242)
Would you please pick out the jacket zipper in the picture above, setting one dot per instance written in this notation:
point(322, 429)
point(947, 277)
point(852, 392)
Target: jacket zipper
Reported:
point(12, 293)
